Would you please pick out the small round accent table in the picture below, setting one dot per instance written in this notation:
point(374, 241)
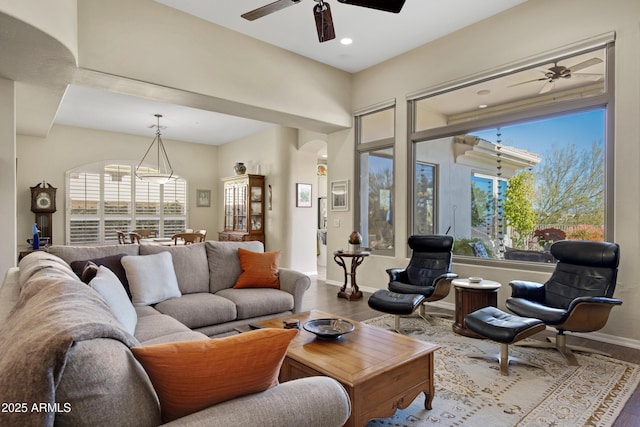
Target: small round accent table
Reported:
point(356, 259)
point(471, 297)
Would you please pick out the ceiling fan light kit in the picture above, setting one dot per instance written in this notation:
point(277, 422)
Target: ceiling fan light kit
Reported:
point(322, 12)
point(558, 72)
point(324, 21)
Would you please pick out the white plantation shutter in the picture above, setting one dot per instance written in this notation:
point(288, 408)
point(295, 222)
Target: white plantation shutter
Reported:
point(83, 207)
point(174, 207)
point(117, 200)
point(104, 198)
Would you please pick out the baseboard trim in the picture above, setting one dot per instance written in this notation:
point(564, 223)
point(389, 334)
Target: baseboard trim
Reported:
point(596, 336)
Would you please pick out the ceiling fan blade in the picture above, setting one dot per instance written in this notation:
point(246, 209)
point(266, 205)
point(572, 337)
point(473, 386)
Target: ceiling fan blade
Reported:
point(268, 9)
point(585, 64)
point(387, 5)
point(547, 87)
point(588, 76)
point(528, 81)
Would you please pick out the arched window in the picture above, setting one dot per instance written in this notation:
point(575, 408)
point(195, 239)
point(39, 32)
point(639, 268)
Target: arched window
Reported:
point(106, 197)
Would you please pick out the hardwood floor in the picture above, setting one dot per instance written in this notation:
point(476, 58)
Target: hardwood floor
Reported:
point(323, 297)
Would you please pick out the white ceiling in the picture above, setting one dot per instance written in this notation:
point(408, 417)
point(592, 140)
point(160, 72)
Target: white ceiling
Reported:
point(377, 36)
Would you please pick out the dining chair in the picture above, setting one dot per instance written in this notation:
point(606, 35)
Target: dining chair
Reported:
point(187, 238)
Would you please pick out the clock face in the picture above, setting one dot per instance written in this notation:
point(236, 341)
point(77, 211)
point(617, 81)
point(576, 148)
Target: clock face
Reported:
point(43, 200)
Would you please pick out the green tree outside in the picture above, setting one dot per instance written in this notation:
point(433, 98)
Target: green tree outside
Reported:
point(518, 207)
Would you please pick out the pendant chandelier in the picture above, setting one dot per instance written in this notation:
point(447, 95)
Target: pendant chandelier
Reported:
point(159, 168)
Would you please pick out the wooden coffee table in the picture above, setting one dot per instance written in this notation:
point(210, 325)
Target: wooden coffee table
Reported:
point(381, 370)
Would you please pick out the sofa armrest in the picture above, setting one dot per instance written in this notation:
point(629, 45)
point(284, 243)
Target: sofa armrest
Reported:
point(295, 283)
point(309, 402)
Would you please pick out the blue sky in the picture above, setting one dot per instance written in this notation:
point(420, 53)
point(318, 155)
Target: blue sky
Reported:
point(537, 137)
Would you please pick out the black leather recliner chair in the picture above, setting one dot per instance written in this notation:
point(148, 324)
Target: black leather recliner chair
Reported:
point(429, 269)
point(577, 297)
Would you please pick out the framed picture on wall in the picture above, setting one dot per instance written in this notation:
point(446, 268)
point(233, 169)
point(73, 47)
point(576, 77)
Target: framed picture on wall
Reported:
point(203, 198)
point(303, 195)
point(340, 195)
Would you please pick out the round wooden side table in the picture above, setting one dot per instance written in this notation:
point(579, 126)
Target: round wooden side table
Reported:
point(356, 259)
point(471, 297)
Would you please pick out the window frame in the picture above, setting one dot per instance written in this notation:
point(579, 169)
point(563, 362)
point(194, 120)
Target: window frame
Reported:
point(367, 147)
point(604, 100)
point(132, 217)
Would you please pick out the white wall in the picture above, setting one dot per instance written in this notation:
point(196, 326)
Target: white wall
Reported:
point(526, 30)
point(68, 147)
point(288, 229)
point(147, 41)
point(8, 252)
point(57, 18)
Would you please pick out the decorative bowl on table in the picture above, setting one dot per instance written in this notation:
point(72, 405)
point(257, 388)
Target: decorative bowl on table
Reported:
point(328, 329)
point(475, 279)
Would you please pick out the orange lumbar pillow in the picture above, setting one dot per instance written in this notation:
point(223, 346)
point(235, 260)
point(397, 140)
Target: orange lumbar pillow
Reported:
point(189, 376)
point(259, 269)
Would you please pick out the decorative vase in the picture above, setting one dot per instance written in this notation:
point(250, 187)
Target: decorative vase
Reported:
point(240, 168)
point(36, 237)
point(355, 240)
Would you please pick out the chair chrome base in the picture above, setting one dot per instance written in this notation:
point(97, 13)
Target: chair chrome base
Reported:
point(504, 359)
point(559, 342)
point(419, 314)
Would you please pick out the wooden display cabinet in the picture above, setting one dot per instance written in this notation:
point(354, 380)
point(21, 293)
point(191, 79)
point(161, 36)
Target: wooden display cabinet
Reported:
point(243, 208)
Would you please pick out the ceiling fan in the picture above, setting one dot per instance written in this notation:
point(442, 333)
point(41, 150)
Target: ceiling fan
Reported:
point(322, 12)
point(558, 72)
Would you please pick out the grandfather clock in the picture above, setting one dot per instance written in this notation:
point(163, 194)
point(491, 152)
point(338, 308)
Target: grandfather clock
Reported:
point(43, 204)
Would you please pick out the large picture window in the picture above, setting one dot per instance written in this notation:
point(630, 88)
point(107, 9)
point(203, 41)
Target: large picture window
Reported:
point(514, 174)
point(103, 198)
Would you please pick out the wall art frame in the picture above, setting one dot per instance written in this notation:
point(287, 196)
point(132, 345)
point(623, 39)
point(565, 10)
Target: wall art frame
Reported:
point(203, 198)
point(303, 195)
point(339, 191)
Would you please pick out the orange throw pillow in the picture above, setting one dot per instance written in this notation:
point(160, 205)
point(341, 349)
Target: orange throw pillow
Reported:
point(259, 269)
point(189, 376)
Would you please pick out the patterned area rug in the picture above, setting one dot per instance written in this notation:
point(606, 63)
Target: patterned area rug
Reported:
point(471, 392)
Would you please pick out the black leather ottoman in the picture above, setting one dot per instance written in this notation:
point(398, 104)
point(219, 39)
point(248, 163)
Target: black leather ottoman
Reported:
point(504, 328)
point(394, 303)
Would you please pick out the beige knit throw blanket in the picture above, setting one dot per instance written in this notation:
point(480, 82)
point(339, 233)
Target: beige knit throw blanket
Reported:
point(51, 314)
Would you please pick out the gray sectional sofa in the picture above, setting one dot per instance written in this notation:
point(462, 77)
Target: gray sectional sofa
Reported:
point(64, 347)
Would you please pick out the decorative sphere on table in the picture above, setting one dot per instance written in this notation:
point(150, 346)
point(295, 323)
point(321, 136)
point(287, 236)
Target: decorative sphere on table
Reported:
point(355, 239)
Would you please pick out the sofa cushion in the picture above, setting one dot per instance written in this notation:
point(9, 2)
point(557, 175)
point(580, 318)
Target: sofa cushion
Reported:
point(104, 385)
point(259, 269)
point(193, 375)
point(152, 278)
point(157, 325)
point(224, 263)
point(190, 264)
point(255, 302)
point(75, 253)
point(112, 262)
point(198, 310)
point(107, 284)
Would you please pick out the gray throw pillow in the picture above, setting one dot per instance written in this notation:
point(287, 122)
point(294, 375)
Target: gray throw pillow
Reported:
point(107, 284)
point(152, 278)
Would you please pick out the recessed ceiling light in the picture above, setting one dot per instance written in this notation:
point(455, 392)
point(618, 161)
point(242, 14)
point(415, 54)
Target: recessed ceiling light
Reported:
point(483, 92)
point(346, 41)
point(482, 106)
